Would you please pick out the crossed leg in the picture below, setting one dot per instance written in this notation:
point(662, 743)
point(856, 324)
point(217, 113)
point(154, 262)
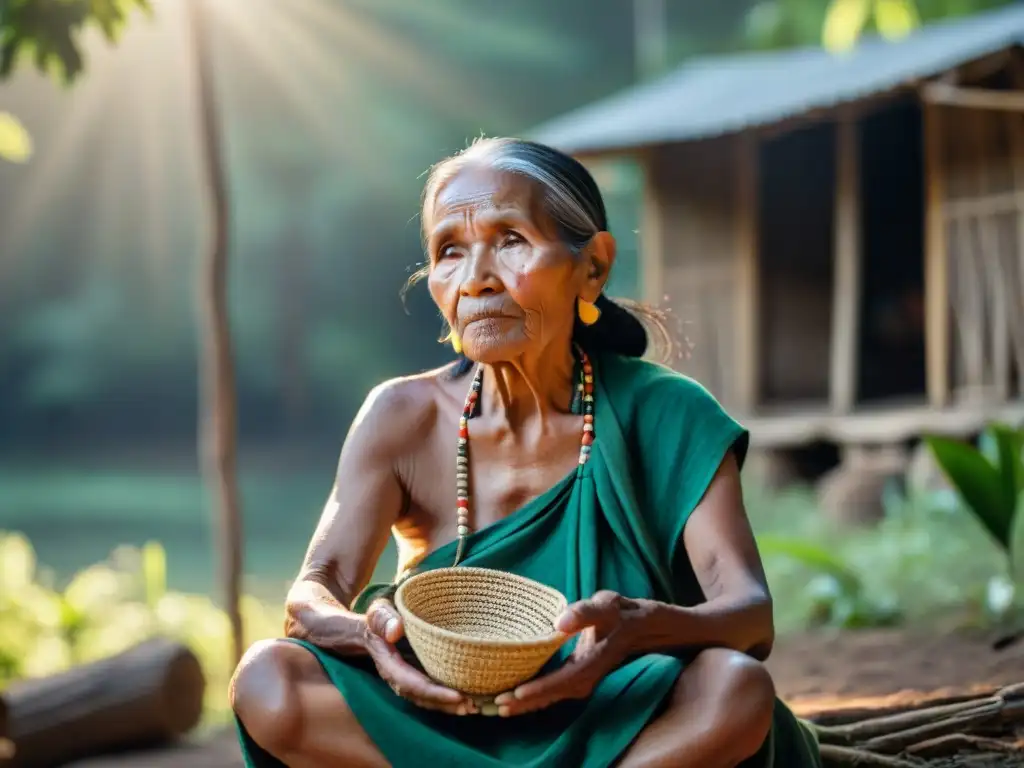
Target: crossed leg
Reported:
point(718, 714)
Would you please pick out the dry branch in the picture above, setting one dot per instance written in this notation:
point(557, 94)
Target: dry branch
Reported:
point(939, 730)
point(847, 757)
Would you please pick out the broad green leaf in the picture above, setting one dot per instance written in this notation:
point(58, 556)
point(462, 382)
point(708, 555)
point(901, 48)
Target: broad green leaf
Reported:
point(844, 22)
point(979, 485)
point(1009, 445)
point(15, 141)
point(812, 556)
point(895, 19)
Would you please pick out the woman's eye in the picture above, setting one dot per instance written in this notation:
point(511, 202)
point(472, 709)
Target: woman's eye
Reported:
point(447, 251)
point(512, 238)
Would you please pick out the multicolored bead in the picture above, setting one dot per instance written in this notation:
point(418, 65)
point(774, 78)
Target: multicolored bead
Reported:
point(584, 389)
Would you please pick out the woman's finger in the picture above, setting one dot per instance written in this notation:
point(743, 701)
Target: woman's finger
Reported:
point(383, 620)
point(600, 610)
point(405, 679)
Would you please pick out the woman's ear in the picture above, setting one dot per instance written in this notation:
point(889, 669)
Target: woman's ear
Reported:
point(600, 256)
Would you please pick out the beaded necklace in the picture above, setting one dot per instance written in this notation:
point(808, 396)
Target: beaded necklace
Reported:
point(584, 388)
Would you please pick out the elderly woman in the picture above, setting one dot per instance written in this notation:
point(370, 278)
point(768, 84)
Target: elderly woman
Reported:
point(551, 450)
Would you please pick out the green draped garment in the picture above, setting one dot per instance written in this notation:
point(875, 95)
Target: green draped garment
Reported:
point(617, 525)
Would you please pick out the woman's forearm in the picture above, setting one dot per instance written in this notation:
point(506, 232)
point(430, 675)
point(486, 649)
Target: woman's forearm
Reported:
point(743, 624)
point(313, 614)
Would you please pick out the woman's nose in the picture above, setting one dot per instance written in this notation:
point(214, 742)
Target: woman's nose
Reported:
point(479, 278)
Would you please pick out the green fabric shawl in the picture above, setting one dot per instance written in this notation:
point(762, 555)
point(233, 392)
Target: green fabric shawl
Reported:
point(617, 524)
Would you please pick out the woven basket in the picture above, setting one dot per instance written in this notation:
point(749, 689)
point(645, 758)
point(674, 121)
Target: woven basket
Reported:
point(480, 631)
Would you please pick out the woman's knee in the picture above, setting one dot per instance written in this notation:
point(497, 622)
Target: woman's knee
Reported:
point(265, 694)
point(741, 696)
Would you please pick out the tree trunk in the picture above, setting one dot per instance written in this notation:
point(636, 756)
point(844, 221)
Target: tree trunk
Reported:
point(150, 694)
point(218, 404)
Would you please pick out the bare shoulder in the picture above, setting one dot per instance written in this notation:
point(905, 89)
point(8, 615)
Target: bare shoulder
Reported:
point(397, 410)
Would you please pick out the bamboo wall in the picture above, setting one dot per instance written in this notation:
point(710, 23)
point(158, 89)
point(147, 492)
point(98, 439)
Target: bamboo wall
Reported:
point(982, 155)
point(690, 244)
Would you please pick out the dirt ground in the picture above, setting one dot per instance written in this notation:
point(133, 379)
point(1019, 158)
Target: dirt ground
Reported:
point(813, 672)
point(822, 670)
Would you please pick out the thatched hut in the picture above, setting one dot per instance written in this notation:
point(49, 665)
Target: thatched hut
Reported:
point(842, 235)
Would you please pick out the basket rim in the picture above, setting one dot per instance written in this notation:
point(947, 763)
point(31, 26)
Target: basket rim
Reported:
point(409, 617)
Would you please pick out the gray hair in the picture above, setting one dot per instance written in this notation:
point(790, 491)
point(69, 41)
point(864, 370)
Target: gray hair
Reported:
point(571, 197)
point(573, 201)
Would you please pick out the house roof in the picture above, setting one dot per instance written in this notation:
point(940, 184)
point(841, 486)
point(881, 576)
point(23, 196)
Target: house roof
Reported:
point(716, 95)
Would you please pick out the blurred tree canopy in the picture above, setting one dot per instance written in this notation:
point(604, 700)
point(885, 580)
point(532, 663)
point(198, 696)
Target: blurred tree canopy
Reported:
point(329, 124)
point(48, 32)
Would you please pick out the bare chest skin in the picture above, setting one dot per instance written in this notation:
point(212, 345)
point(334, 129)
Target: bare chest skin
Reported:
point(508, 469)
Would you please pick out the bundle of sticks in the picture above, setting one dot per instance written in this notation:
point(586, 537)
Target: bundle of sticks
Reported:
point(979, 729)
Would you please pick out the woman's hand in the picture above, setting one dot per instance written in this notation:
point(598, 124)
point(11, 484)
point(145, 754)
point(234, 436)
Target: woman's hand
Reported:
point(383, 630)
point(604, 625)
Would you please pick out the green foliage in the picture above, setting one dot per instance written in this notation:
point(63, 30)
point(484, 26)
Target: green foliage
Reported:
point(846, 20)
point(837, 597)
point(990, 481)
point(926, 558)
point(106, 608)
point(47, 32)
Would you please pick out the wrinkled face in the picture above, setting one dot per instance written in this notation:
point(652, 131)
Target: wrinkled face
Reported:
point(499, 273)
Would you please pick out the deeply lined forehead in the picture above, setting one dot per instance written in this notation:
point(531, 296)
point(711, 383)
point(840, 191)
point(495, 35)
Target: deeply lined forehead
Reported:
point(487, 197)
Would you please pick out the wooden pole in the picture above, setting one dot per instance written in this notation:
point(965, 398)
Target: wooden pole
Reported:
point(1015, 129)
point(217, 396)
point(748, 307)
point(847, 266)
point(936, 261)
point(653, 247)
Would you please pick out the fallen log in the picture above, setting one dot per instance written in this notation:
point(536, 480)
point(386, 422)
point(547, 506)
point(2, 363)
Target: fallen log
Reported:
point(6, 745)
point(148, 695)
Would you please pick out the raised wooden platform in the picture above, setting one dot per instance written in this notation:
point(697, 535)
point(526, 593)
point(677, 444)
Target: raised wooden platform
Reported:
point(875, 424)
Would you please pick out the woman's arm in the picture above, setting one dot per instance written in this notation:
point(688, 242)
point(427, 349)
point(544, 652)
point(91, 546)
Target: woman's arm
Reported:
point(737, 613)
point(365, 502)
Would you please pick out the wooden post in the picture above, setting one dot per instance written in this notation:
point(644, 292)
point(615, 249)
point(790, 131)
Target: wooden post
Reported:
point(992, 277)
point(653, 248)
point(847, 266)
point(936, 261)
point(218, 396)
point(1015, 129)
point(748, 284)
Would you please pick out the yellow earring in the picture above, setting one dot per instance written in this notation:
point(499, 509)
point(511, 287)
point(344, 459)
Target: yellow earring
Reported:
point(588, 312)
point(456, 342)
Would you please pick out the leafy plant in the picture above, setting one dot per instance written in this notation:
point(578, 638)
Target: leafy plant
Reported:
point(837, 596)
point(989, 479)
point(108, 607)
